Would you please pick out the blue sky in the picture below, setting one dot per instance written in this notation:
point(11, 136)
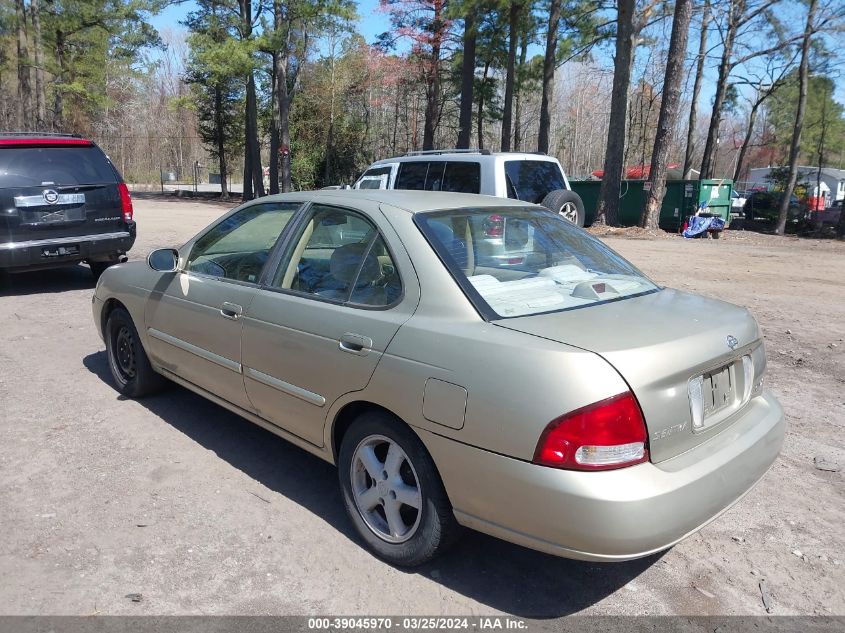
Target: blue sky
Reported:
point(371, 21)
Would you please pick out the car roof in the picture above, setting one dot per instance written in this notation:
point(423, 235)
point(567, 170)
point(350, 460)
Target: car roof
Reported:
point(408, 200)
point(447, 156)
point(23, 139)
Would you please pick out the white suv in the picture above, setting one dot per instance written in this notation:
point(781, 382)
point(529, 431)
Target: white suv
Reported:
point(533, 178)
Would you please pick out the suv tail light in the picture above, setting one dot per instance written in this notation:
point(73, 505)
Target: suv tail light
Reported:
point(494, 226)
point(125, 202)
point(607, 434)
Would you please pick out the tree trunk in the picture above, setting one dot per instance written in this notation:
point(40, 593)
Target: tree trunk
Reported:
point(517, 119)
point(507, 113)
point(749, 132)
point(467, 80)
point(275, 126)
point(668, 117)
point(696, 90)
point(795, 145)
point(221, 141)
point(608, 207)
point(710, 147)
point(327, 173)
point(38, 54)
point(251, 144)
point(24, 70)
point(283, 103)
point(432, 89)
point(480, 120)
point(549, 64)
point(58, 103)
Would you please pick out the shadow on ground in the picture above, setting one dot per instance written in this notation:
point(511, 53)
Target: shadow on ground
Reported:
point(53, 280)
point(500, 575)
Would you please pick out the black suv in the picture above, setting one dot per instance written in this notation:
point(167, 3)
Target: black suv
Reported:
point(61, 202)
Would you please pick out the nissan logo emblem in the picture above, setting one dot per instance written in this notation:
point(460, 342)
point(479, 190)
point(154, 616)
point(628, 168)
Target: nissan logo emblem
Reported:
point(51, 196)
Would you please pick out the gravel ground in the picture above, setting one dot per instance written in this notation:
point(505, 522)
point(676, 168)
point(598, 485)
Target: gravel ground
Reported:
point(201, 512)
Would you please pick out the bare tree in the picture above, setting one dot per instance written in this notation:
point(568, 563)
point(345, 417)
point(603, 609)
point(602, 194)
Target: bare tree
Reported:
point(467, 78)
point(549, 65)
point(795, 145)
point(628, 26)
point(668, 117)
point(24, 85)
point(696, 88)
point(38, 58)
point(764, 85)
point(510, 73)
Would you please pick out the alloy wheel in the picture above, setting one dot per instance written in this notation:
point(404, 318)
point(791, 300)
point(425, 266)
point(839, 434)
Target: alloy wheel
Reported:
point(569, 212)
point(386, 489)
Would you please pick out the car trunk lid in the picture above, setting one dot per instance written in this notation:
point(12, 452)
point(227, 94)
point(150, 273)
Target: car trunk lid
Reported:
point(659, 343)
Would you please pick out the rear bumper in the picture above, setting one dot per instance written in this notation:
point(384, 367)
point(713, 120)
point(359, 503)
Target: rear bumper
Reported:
point(611, 515)
point(30, 254)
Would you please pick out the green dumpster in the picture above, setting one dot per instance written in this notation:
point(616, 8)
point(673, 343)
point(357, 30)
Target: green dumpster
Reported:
point(682, 199)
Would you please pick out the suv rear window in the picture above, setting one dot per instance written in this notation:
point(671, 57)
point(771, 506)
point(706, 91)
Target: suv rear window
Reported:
point(532, 180)
point(458, 176)
point(71, 165)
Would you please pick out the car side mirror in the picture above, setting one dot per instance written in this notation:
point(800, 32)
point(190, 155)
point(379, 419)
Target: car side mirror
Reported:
point(164, 260)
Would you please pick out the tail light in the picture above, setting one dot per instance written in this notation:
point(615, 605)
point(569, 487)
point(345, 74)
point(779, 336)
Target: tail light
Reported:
point(607, 434)
point(125, 202)
point(494, 226)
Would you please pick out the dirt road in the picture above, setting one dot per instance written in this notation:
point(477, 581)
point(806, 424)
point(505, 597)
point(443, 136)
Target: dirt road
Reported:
point(203, 513)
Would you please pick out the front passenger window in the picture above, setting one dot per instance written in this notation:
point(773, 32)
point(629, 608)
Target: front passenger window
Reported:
point(238, 247)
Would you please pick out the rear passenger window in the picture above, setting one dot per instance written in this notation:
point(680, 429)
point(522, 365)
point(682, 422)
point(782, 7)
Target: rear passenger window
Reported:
point(434, 178)
point(463, 177)
point(412, 176)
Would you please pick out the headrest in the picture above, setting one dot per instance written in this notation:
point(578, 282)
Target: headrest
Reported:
point(345, 260)
point(457, 248)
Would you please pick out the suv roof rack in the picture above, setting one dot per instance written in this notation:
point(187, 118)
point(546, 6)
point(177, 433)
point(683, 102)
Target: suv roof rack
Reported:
point(39, 134)
point(434, 152)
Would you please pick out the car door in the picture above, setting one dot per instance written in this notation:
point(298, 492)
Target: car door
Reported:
point(317, 330)
point(194, 315)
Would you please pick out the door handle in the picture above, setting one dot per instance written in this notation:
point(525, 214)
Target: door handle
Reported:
point(355, 344)
point(231, 311)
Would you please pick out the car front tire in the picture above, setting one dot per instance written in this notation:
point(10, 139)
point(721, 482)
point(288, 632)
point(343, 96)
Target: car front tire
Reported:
point(567, 204)
point(393, 493)
point(130, 368)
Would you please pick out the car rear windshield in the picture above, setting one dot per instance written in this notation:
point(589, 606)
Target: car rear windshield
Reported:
point(39, 166)
point(532, 180)
point(516, 261)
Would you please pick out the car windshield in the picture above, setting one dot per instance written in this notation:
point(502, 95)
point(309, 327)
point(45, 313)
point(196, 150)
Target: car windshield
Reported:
point(516, 261)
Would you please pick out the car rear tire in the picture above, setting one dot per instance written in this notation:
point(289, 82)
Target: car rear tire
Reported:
point(567, 204)
point(97, 268)
point(130, 368)
point(393, 493)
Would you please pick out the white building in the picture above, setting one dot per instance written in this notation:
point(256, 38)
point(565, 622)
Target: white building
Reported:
point(832, 181)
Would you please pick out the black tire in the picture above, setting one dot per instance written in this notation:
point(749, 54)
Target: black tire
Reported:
point(566, 204)
point(130, 368)
point(435, 527)
point(97, 268)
